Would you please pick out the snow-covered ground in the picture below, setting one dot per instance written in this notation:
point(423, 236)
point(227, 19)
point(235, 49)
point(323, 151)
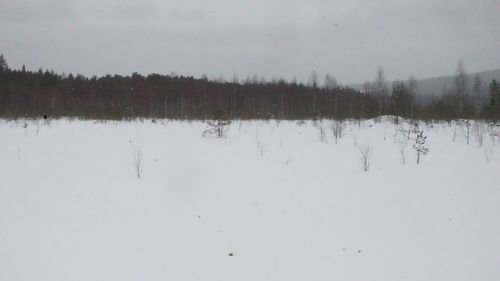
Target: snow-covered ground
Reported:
point(271, 201)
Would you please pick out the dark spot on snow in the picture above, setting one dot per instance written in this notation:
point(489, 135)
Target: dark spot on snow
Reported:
point(230, 254)
point(359, 251)
point(45, 117)
point(343, 249)
point(199, 217)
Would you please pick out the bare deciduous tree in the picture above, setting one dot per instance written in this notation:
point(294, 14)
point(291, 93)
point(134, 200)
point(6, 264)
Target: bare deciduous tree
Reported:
point(403, 151)
point(313, 79)
point(365, 152)
point(403, 140)
point(479, 130)
point(454, 132)
point(380, 88)
point(494, 132)
point(330, 82)
point(337, 127)
point(260, 145)
point(460, 87)
point(466, 130)
point(412, 89)
point(476, 95)
point(488, 152)
point(3, 64)
point(322, 133)
point(138, 162)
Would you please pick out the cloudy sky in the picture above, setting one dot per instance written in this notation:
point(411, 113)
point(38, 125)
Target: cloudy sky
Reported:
point(272, 38)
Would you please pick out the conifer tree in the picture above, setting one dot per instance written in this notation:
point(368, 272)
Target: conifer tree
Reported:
point(420, 147)
point(218, 126)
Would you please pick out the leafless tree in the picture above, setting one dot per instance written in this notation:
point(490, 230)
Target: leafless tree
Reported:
point(322, 133)
point(3, 64)
point(403, 151)
point(138, 162)
point(397, 128)
point(479, 131)
point(405, 128)
point(494, 132)
point(330, 82)
point(476, 95)
point(380, 88)
point(402, 140)
point(365, 152)
point(460, 87)
point(354, 138)
point(466, 130)
point(337, 127)
point(367, 88)
point(488, 152)
point(455, 132)
point(259, 144)
point(412, 90)
point(313, 79)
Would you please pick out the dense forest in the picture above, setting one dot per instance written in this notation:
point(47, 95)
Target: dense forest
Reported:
point(34, 94)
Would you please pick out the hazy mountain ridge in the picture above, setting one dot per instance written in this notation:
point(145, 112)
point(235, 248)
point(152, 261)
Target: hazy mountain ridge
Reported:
point(435, 86)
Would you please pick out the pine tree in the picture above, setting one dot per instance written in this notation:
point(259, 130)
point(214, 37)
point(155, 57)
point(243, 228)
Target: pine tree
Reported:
point(420, 148)
point(218, 126)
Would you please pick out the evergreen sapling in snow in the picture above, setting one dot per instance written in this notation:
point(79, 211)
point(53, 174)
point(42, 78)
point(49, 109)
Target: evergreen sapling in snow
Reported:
point(420, 148)
point(218, 126)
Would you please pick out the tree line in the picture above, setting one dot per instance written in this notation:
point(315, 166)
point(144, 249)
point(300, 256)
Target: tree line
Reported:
point(33, 94)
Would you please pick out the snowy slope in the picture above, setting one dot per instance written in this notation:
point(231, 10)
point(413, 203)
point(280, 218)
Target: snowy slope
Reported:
point(285, 204)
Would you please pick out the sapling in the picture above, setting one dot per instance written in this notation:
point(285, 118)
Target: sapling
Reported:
point(466, 131)
point(322, 133)
point(479, 133)
point(365, 152)
point(402, 151)
point(260, 146)
point(420, 147)
point(218, 126)
point(138, 162)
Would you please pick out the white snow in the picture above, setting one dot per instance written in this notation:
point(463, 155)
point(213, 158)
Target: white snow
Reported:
point(285, 204)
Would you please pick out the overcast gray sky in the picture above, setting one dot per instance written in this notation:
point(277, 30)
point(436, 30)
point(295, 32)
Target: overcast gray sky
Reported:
point(280, 38)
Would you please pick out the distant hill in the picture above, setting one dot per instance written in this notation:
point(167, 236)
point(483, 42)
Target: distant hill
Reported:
point(434, 86)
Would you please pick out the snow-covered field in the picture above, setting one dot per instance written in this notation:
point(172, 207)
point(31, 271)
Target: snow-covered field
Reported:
point(271, 201)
